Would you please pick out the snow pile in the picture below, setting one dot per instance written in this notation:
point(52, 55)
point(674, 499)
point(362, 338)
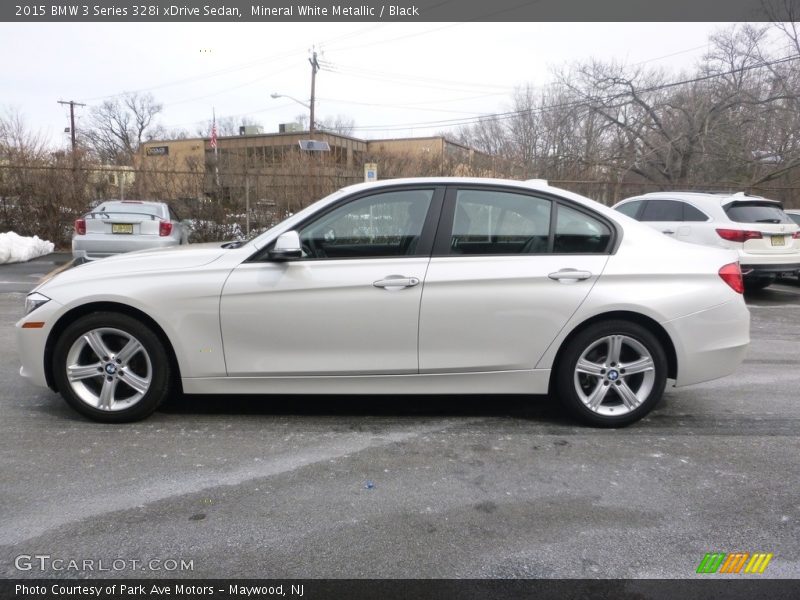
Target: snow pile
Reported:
point(16, 248)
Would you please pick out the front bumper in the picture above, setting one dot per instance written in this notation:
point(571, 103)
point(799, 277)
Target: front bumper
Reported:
point(31, 342)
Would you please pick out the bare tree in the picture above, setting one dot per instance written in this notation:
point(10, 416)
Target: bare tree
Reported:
point(227, 126)
point(118, 127)
point(341, 124)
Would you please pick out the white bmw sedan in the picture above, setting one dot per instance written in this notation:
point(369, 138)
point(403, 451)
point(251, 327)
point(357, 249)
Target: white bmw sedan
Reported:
point(440, 285)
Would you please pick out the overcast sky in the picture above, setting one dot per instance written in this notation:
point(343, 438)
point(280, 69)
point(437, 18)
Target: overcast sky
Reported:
point(392, 79)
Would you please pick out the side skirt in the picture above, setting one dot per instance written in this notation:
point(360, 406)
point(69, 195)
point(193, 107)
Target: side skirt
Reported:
point(495, 382)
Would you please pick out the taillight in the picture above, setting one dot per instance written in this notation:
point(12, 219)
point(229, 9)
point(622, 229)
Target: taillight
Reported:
point(738, 235)
point(164, 228)
point(796, 235)
point(732, 275)
point(80, 226)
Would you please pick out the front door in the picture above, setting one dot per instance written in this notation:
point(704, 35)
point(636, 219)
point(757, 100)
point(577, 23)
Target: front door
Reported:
point(350, 306)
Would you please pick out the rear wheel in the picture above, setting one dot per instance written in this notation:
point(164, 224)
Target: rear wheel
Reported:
point(612, 373)
point(111, 368)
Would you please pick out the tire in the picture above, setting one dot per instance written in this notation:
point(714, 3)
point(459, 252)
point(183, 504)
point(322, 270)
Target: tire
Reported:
point(127, 383)
point(598, 388)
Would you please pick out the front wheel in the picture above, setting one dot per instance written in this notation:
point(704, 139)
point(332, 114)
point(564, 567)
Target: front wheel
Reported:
point(612, 374)
point(111, 368)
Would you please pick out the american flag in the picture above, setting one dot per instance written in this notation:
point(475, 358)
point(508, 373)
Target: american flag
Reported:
point(214, 135)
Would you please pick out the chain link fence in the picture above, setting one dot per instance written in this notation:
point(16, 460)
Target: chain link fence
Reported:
point(46, 200)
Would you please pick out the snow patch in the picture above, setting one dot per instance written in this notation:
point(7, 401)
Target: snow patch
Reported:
point(16, 248)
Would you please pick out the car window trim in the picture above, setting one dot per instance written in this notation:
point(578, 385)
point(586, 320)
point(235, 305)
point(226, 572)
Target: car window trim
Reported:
point(441, 245)
point(426, 238)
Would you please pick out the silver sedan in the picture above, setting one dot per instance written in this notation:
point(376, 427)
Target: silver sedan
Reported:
point(119, 226)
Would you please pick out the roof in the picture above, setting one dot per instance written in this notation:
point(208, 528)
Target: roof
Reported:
point(720, 198)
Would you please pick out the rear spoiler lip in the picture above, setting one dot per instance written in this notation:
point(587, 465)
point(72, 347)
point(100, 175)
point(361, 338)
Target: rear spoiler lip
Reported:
point(97, 214)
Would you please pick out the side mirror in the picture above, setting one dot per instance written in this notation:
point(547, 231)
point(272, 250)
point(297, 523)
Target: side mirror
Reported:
point(286, 247)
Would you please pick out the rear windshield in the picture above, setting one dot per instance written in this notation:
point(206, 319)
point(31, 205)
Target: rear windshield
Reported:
point(756, 212)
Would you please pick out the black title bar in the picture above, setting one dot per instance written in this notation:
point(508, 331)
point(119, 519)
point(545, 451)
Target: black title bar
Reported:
point(372, 10)
point(700, 588)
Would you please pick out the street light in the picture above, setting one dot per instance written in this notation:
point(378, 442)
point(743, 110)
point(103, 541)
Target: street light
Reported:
point(275, 95)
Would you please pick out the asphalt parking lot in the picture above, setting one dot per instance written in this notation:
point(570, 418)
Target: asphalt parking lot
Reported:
point(406, 487)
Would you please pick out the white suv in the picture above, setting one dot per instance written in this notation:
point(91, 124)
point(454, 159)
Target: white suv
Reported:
point(767, 240)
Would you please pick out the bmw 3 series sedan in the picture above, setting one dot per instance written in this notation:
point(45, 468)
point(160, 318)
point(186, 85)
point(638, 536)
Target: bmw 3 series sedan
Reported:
point(409, 286)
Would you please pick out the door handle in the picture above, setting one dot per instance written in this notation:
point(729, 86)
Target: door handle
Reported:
point(567, 275)
point(396, 281)
point(667, 231)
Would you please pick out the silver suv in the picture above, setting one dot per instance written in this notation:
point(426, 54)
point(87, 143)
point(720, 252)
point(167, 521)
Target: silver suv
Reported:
point(766, 239)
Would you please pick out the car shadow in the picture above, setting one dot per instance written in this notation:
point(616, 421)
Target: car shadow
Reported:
point(540, 408)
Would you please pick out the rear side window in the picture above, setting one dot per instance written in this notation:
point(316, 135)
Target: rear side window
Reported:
point(495, 222)
point(579, 233)
point(794, 217)
point(756, 212)
point(690, 213)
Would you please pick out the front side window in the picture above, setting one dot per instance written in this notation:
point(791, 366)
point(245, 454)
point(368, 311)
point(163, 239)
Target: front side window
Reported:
point(631, 208)
point(381, 225)
point(662, 210)
point(494, 222)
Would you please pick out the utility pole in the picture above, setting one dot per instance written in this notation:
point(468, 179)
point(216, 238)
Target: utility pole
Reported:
point(314, 69)
point(72, 105)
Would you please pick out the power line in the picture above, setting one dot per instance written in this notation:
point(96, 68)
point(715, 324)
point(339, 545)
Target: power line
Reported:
point(541, 109)
point(572, 104)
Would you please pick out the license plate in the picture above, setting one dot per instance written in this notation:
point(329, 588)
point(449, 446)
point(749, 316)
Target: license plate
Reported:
point(124, 228)
point(778, 240)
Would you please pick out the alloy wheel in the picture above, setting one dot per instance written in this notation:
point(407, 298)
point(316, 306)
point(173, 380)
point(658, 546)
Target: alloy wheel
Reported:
point(108, 369)
point(614, 375)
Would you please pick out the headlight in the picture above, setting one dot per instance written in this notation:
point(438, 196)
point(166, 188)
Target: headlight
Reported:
point(34, 301)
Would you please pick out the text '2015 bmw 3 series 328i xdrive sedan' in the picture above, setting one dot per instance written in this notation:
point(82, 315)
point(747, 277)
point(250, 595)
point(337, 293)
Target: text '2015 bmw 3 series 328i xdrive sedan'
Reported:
point(409, 286)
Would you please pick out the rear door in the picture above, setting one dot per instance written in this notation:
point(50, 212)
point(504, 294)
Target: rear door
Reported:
point(510, 267)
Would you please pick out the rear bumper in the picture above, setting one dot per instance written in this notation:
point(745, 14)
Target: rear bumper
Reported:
point(90, 247)
point(711, 343)
point(750, 270)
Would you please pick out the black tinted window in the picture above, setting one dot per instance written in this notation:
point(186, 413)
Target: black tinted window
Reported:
point(756, 212)
point(631, 208)
point(577, 232)
point(494, 222)
point(662, 210)
point(690, 213)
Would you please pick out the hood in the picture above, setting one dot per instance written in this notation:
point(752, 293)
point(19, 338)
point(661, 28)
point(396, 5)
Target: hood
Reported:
point(176, 258)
